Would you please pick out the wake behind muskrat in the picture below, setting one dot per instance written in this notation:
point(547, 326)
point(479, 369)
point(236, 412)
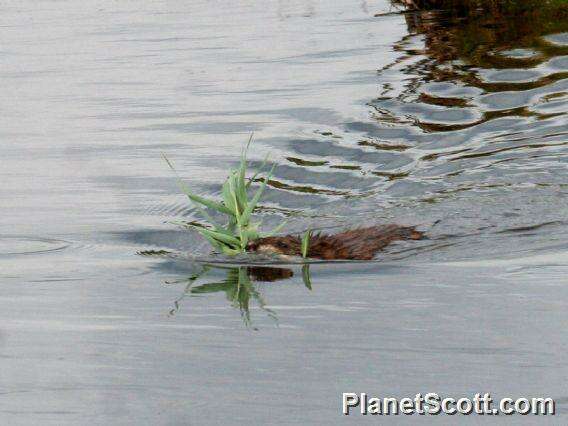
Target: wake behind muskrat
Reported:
point(355, 244)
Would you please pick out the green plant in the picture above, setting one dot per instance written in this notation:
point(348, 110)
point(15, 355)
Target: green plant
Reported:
point(232, 237)
point(306, 243)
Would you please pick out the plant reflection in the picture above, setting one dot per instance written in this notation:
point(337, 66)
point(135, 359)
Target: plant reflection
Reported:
point(238, 285)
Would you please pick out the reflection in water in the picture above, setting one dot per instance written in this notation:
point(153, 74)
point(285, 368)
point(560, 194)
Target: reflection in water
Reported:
point(471, 102)
point(238, 286)
point(486, 92)
point(494, 53)
point(460, 48)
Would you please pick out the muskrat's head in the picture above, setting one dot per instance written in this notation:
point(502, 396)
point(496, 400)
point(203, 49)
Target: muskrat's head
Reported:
point(287, 245)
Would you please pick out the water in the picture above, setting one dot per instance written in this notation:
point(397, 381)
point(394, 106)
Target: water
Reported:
point(370, 119)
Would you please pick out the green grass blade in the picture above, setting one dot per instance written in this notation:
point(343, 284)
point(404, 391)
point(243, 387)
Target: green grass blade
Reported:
point(275, 230)
point(184, 188)
point(220, 237)
point(240, 193)
point(216, 245)
point(258, 171)
point(206, 202)
point(306, 243)
point(229, 251)
point(198, 226)
point(252, 204)
point(194, 197)
point(243, 166)
point(240, 182)
point(227, 195)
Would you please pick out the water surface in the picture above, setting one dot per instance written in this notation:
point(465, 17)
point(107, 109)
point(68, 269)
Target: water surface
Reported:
point(370, 116)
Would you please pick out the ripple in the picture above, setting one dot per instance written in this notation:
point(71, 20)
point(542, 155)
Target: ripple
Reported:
point(560, 39)
point(516, 76)
point(490, 116)
point(519, 53)
point(22, 245)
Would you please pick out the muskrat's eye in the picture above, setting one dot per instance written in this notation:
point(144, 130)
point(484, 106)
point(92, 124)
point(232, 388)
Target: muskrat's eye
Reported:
point(281, 244)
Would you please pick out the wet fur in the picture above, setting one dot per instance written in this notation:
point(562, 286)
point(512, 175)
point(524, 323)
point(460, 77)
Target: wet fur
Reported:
point(356, 244)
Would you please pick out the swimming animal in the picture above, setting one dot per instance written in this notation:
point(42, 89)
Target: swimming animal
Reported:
point(355, 244)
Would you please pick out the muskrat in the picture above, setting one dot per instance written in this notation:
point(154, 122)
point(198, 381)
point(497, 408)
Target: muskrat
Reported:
point(356, 244)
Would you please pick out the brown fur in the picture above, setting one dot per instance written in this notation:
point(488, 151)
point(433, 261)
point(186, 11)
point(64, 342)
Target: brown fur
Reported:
point(356, 244)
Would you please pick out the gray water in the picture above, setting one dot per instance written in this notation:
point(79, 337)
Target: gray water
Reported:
point(369, 119)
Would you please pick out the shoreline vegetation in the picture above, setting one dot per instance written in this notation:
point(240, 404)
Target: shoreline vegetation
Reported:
point(492, 6)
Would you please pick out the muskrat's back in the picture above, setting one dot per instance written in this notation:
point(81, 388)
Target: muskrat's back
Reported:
point(356, 244)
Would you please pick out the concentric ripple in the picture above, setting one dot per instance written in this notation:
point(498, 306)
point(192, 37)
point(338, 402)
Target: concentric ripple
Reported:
point(22, 245)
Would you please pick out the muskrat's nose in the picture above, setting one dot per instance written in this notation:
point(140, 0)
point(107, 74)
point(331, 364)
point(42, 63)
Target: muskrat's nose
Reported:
point(252, 246)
